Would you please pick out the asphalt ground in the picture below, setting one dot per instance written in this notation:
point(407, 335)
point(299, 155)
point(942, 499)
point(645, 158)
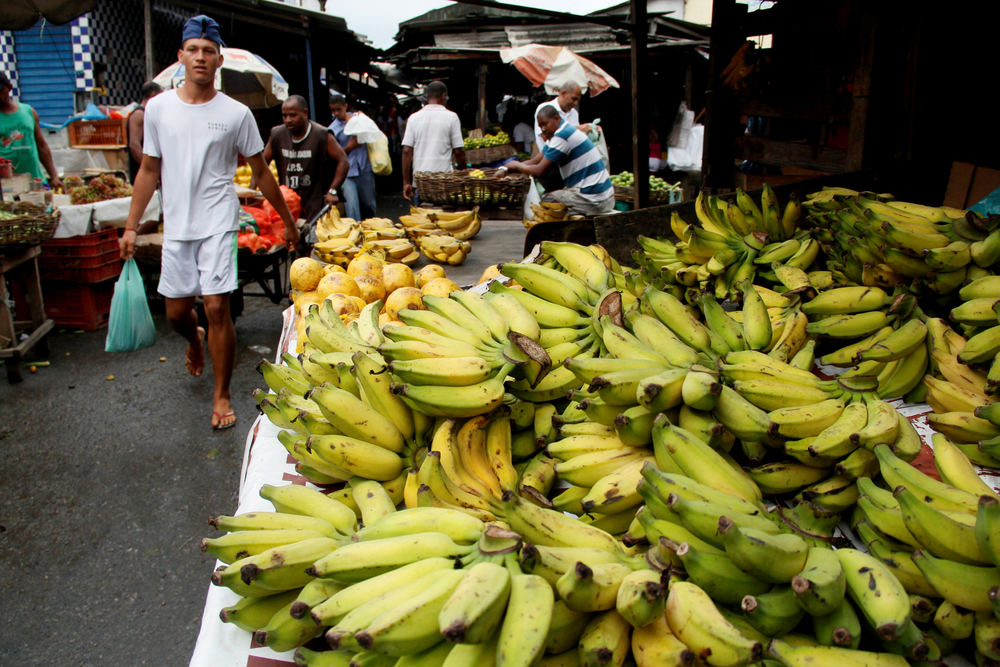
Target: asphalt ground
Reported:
point(109, 472)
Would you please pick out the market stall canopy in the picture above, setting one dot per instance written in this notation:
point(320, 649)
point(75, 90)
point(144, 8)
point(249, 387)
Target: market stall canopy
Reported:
point(552, 66)
point(244, 76)
point(22, 14)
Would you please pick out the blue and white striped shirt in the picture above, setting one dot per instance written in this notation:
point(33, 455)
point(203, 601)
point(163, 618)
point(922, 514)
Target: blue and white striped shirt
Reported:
point(579, 163)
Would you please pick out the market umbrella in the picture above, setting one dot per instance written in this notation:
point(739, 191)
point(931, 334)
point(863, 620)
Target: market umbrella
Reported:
point(555, 65)
point(22, 14)
point(244, 76)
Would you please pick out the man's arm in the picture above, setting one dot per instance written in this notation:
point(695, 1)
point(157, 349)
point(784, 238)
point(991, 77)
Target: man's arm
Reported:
point(337, 154)
point(45, 155)
point(459, 155)
point(269, 187)
point(268, 154)
point(407, 166)
point(536, 166)
point(142, 191)
point(352, 143)
point(135, 135)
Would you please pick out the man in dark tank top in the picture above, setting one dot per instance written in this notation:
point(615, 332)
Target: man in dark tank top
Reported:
point(306, 153)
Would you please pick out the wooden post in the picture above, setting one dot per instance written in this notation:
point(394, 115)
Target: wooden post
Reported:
point(147, 24)
point(309, 75)
point(720, 105)
point(640, 122)
point(858, 132)
point(481, 115)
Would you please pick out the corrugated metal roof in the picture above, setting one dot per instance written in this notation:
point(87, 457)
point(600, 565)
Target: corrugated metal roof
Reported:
point(577, 37)
point(491, 39)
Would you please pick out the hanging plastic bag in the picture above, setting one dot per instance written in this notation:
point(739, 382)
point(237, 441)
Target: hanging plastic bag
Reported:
point(366, 131)
point(130, 325)
point(596, 135)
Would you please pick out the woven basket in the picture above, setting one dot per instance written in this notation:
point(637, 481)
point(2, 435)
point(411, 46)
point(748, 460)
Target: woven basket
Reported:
point(627, 194)
point(31, 226)
point(490, 154)
point(457, 188)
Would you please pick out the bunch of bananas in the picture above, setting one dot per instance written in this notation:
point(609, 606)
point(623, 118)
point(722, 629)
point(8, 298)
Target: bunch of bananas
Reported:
point(875, 240)
point(733, 241)
point(339, 240)
point(549, 212)
point(463, 225)
point(667, 416)
point(442, 247)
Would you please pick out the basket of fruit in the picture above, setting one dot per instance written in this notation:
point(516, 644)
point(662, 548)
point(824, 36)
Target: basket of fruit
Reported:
point(474, 187)
point(24, 224)
point(491, 148)
point(660, 192)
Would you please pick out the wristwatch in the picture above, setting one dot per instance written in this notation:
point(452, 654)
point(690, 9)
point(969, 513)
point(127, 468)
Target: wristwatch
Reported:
point(333, 191)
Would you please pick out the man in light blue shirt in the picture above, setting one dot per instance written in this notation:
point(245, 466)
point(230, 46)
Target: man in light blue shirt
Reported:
point(587, 190)
point(359, 187)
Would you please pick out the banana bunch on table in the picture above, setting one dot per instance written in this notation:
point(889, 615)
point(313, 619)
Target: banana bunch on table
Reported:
point(549, 212)
point(732, 243)
point(338, 251)
point(381, 229)
point(462, 225)
point(444, 248)
point(878, 241)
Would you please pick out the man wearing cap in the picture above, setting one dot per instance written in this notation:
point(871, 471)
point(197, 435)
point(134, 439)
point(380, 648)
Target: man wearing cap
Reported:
point(21, 138)
point(191, 138)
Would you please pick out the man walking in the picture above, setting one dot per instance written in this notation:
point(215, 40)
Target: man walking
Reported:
point(587, 190)
point(566, 104)
point(192, 136)
point(133, 128)
point(359, 188)
point(302, 151)
point(433, 138)
point(21, 138)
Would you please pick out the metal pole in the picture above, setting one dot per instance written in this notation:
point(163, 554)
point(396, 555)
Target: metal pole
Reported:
point(147, 21)
point(482, 98)
point(640, 123)
point(309, 73)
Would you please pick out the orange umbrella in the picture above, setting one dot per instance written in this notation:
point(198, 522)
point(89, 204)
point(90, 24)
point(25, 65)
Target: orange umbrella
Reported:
point(552, 66)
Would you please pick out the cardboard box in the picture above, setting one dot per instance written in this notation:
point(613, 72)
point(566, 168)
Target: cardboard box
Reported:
point(968, 183)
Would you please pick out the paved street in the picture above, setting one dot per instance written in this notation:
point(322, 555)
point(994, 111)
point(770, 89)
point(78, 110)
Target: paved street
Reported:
point(107, 485)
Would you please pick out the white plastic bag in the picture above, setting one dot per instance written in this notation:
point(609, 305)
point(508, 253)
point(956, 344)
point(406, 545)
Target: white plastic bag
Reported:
point(533, 197)
point(596, 135)
point(364, 128)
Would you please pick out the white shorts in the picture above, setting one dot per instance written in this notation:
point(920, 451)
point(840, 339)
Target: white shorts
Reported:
point(192, 268)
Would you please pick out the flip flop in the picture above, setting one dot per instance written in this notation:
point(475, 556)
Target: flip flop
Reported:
point(220, 426)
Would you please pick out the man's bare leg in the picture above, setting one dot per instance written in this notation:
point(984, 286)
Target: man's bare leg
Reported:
point(222, 347)
point(183, 320)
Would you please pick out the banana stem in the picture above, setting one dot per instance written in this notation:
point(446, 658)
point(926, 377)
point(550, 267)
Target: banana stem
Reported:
point(512, 564)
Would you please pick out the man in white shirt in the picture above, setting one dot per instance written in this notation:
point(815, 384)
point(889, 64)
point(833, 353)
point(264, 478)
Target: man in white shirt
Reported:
point(524, 138)
point(433, 138)
point(191, 139)
point(566, 104)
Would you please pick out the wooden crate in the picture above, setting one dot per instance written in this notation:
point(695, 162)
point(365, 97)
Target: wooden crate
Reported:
point(108, 133)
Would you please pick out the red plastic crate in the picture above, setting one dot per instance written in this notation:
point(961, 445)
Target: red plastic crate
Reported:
point(84, 306)
point(104, 267)
point(85, 245)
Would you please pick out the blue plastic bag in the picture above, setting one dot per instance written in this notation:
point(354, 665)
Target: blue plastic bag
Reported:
point(130, 325)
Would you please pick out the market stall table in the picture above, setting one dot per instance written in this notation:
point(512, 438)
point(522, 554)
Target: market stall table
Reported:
point(11, 350)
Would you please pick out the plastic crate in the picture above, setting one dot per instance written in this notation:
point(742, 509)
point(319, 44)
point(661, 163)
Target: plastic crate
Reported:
point(88, 258)
point(72, 305)
point(107, 133)
point(85, 245)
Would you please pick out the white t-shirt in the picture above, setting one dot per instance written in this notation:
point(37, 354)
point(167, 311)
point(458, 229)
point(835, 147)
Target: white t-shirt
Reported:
point(198, 146)
point(523, 133)
point(433, 133)
point(572, 117)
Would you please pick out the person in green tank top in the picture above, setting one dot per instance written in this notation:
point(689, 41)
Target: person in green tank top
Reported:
point(21, 138)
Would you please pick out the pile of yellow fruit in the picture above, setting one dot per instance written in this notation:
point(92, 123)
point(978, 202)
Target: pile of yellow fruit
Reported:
point(244, 174)
point(365, 281)
point(339, 240)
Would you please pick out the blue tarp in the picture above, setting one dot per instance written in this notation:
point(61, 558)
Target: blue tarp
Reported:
point(92, 113)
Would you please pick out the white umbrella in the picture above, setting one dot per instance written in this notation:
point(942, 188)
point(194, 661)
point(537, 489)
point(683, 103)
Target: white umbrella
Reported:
point(244, 76)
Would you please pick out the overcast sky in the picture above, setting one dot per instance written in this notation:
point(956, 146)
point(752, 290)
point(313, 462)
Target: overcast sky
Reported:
point(380, 19)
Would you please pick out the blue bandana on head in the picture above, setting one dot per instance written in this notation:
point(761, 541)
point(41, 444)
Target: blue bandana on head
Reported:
point(202, 27)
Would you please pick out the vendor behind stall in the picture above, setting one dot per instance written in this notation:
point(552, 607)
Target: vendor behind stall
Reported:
point(305, 153)
point(21, 138)
point(587, 190)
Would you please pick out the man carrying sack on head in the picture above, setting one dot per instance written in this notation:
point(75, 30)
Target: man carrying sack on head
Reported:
point(191, 138)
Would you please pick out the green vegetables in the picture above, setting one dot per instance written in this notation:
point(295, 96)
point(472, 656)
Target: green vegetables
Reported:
point(498, 139)
point(626, 179)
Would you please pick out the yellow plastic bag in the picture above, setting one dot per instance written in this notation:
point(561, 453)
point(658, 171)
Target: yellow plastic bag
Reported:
point(378, 155)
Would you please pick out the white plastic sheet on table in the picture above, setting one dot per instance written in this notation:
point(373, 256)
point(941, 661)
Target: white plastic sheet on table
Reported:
point(76, 220)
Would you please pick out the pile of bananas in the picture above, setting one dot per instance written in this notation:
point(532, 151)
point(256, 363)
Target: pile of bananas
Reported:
point(875, 240)
point(462, 225)
point(339, 240)
point(499, 139)
point(667, 417)
point(549, 212)
point(444, 248)
point(735, 241)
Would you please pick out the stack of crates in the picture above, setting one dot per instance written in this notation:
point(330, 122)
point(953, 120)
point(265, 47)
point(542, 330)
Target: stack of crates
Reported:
point(78, 278)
